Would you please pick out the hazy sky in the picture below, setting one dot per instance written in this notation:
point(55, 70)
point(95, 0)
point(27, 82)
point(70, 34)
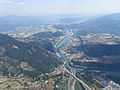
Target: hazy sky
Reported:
point(49, 7)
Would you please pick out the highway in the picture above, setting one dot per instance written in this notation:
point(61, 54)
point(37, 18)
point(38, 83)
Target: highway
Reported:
point(85, 85)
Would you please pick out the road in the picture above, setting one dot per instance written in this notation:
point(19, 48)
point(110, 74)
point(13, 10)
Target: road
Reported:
point(71, 80)
point(85, 85)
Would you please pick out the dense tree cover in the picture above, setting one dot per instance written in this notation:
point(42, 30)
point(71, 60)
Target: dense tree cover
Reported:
point(98, 50)
point(36, 56)
point(48, 34)
point(108, 57)
point(42, 39)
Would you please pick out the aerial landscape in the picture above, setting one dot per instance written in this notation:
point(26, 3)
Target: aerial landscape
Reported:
point(60, 45)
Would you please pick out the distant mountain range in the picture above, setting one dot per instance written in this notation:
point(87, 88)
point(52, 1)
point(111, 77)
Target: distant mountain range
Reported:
point(10, 23)
point(103, 24)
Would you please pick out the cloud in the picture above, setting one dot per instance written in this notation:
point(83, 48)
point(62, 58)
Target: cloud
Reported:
point(21, 3)
point(5, 1)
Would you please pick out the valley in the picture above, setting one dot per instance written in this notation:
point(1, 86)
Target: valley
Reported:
point(64, 54)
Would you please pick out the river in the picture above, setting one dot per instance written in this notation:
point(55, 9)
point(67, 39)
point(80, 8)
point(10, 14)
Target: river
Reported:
point(60, 44)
